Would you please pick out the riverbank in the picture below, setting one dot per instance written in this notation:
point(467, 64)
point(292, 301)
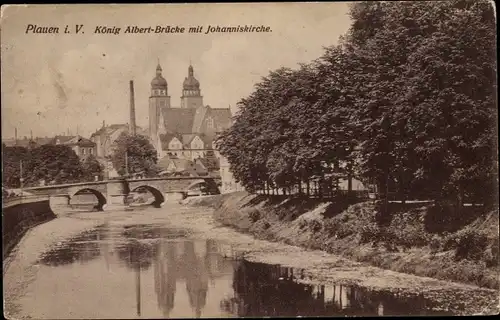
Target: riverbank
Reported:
point(318, 267)
point(417, 240)
point(20, 215)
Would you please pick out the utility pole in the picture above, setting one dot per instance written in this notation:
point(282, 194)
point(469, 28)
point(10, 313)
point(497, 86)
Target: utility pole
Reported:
point(126, 163)
point(21, 175)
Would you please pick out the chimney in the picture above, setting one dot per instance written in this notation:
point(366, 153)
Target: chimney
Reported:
point(103, 123)
point(31, 134)
point(132, 126)
point(15, 135)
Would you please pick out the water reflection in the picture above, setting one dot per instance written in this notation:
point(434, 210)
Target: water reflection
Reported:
point(196, 263)
point(166, 273)
point(271, 290)
point(82, 248)
point(190, 278)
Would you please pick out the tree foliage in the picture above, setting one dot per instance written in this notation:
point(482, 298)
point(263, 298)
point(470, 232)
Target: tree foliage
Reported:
point(11, 165)
point(407, 100)
point(52, 163)
point(92, 168)
point(140, 153)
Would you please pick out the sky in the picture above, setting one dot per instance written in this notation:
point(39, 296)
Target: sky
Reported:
point(55, 82)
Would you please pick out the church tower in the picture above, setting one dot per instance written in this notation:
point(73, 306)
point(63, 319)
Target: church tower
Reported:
point(158, 100)
point(191, 93)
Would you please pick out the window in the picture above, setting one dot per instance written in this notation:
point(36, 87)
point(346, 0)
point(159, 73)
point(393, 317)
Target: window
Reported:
point(83, 151)
point(210, 123)
point(90, 151)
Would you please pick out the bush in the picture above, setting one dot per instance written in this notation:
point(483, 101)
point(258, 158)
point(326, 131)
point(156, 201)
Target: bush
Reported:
point(369, 233)
point(331, 226)
point(254, 215)
point(316, 225)
point(471, 245)
point(435, 244)
point(490, 256)
point(266, 225)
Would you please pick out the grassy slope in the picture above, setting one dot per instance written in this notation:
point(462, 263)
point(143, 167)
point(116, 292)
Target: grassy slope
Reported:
point(415, 240)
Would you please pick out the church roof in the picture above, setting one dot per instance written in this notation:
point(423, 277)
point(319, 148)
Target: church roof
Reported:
point(178, 120)
point(159, 82)
point(190, 82)
point(199, 116)
point(222, 117)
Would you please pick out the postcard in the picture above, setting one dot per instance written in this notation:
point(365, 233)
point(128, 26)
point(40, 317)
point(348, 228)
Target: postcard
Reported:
point(233, 160)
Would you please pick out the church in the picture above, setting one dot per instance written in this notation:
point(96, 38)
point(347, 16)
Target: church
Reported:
point(187, 131)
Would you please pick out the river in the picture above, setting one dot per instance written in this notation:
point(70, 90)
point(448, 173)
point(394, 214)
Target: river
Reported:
point(176, 262)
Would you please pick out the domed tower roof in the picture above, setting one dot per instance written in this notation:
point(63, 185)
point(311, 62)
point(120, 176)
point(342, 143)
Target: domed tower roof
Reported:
point(190, 83)
point(159, 82)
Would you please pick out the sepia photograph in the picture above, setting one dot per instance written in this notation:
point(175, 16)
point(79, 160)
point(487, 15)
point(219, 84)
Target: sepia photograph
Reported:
point(232, 160)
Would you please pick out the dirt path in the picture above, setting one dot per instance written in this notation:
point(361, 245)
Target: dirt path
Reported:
point(320, 267)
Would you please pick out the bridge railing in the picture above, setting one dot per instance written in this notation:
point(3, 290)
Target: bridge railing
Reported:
point(16, 200)
point(66, 185)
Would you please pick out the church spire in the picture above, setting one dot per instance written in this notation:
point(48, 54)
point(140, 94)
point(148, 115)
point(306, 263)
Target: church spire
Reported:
point(158, 68)
point(190, 70)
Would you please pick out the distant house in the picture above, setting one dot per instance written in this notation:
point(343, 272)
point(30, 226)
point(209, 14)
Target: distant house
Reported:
point(105, 137)
point(83, 147)
point(27, 142)
point(173, 165)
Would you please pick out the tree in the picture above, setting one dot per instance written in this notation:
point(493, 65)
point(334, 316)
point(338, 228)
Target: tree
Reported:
point(58, 163)
point(92, 168)
point(425, 109)
point(11, 165)
point(140, 153)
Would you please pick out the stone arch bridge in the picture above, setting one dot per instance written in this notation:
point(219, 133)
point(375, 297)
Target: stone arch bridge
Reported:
point(111, 193)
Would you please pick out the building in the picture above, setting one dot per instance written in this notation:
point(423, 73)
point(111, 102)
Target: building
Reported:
point(184, 167)
point(105, 137)
point(228, 183)
point(187, 132)
point(83, 147)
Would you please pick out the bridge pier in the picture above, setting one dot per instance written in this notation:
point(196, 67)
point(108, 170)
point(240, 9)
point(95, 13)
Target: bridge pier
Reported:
point(116, 199)
point(62, 199)
point(173, 197)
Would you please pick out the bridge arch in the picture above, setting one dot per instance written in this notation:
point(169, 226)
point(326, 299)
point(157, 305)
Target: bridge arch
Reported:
point(209, 184)
point(101, 199)
point(158, 195)
point(196, 183)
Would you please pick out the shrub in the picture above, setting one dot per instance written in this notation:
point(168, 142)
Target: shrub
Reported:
point(369, 233)
point(435, 244)
point(254, 215)
point(331, 226)
point(315, 225)
point(471, 245)
point(412, 237)
point(490, 256)
point(266, 225)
